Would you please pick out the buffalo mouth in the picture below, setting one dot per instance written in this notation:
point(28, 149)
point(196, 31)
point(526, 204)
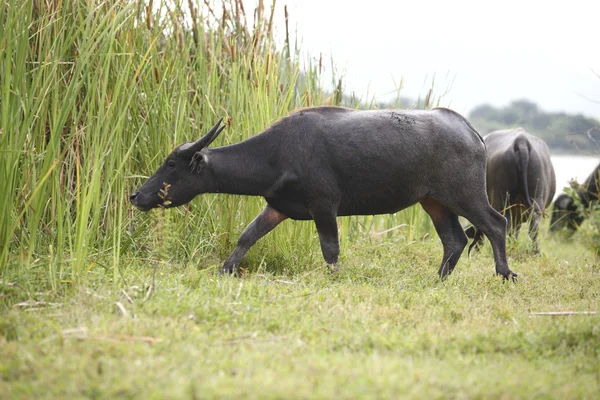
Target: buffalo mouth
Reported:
point(142, 208)
point(146, 203)
point(135, 201)
point(146, 208)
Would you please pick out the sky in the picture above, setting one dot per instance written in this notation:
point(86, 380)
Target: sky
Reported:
point(478, 51)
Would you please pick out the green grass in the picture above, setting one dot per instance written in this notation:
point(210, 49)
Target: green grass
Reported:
point(98, 300)
point(95, 94)
point(383, 327)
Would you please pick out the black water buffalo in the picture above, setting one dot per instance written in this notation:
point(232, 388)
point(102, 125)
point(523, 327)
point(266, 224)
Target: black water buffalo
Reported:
point(565, 211)
point(520, 178)
point(324, 162)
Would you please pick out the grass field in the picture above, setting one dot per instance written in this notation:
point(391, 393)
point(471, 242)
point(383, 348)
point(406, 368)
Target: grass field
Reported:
point(98, 300)
point(384, 327)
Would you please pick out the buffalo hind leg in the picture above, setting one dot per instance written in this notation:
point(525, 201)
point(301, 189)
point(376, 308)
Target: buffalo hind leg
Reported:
point(493, 225)
point(513, 228)
point(533, 229)
point(264, 223)
point(326, 223)
point(450, 232)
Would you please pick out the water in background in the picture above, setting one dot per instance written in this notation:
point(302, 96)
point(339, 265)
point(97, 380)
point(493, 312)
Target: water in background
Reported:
point(572, 167)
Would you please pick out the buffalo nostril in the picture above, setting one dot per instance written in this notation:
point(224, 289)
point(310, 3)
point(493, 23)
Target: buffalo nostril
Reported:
point(132, 197)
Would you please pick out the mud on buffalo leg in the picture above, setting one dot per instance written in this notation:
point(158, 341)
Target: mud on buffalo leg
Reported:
point(325, 220)
point(264, 223)
point(450, 232)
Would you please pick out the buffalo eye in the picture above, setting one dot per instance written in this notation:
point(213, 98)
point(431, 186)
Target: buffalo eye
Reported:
point(170, 164)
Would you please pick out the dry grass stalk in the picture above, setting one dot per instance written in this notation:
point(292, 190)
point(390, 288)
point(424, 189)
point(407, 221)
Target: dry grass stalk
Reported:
point(561, 313)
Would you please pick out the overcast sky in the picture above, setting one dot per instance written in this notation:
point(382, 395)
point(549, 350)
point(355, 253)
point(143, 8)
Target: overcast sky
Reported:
point(489, 52)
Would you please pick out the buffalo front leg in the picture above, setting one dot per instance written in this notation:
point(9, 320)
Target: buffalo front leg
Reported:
point(450, 232)
point(328, 236)
point(264, 223)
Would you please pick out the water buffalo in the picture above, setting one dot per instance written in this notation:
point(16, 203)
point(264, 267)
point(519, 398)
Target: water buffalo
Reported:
point(324, 162)
point(565, 211)
point(520, 179)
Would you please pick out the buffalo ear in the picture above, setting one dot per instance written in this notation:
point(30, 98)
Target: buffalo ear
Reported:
point(198, 162)
point(189, 149)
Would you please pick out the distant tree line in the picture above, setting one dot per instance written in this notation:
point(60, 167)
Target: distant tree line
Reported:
point(564, 133)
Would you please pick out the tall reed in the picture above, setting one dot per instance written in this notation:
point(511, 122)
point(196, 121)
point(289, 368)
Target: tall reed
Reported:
point(94, 94)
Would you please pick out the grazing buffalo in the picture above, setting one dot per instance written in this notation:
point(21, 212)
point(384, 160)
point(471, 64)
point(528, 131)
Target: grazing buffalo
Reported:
point(324, 162)
point(566, 213)
point(520, 179)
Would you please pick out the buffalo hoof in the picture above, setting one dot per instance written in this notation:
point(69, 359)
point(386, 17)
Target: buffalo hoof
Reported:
point(333, 269)
point(444, 271)
point(228, 269)
point(510, 276)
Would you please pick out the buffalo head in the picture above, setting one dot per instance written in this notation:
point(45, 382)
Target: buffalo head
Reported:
point(176, 182)
point(565, 214)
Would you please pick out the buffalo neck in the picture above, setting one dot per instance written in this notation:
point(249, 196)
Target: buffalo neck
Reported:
point(246, 168)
